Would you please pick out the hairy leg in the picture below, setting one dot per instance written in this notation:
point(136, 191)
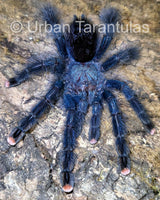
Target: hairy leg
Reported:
point(28, 122)
point(94, 132)
point(75, 118)
point(109, 17)
point(53, 65)
point(122, 57)
point(119, 132)
point(134, 102)
point(51, 15)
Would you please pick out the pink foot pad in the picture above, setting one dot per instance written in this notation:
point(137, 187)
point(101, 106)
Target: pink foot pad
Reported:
point(11, 141)
point(67, 188)
point(153, 131)
point(125, 171)
point(7, 84)
point(93, 141)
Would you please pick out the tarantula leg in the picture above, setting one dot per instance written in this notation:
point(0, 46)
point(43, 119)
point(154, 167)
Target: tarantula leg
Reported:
point(109, 17)
point(51, 15)
point(124, 57)
point(15, 136)
point(74, 124)
point(134, 102)
point(28, 122)
point(94, 132)
point(68, 157)
point(52, 64)
point(119, 132)
point(67, 179)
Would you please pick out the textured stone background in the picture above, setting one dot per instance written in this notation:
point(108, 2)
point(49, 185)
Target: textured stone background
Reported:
point(30, 170)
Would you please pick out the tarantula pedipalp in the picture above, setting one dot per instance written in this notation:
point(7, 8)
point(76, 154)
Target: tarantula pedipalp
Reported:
point(81, 80)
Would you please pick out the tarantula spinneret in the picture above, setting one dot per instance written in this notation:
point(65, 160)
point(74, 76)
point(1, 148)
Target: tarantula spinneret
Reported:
point(81, 80)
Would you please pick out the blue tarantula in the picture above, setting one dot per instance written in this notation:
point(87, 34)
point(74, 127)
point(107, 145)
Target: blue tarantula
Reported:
point(81, 80)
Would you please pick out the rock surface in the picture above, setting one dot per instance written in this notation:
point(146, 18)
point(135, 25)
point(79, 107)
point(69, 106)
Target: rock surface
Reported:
point(30, 170)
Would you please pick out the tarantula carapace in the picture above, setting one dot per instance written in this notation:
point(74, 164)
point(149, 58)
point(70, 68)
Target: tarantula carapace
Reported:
point(81, 80)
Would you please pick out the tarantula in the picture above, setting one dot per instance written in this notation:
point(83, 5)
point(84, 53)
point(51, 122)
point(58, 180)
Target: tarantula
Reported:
point(81, 80)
